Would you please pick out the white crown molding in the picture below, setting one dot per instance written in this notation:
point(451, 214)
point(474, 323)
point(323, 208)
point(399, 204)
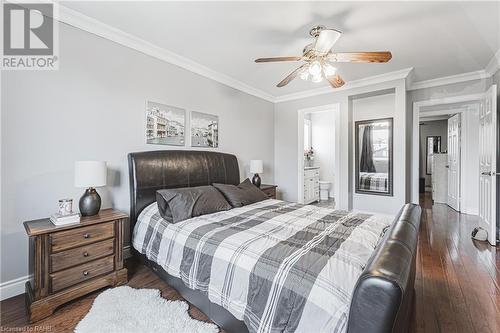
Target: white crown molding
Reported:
point(396, 75)
point(494, 64)
point(441, 81)
point(93, 26)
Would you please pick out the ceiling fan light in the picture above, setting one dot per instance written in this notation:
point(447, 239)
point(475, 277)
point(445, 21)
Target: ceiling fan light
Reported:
point(317, 78)
point(304, 75)
point(329, 70)
point(315, 68)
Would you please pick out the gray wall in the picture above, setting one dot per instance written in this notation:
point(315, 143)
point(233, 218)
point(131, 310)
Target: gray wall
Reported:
point(93, 108)
point(431, 128)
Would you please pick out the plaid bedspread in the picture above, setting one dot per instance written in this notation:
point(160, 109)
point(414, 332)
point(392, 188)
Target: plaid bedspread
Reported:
point(279, 266)
point(373, 181)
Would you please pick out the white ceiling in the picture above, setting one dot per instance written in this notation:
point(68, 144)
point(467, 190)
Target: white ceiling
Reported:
point(436, 38)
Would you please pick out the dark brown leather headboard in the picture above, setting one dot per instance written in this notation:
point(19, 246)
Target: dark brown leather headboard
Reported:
point(150, 171)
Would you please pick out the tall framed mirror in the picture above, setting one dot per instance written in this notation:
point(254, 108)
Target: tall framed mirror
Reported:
point(374, 156)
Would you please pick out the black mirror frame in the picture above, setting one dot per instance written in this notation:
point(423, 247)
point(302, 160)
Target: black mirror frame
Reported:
point(391, 155)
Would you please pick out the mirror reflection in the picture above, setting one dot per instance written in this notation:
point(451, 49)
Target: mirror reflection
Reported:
point(374, 156)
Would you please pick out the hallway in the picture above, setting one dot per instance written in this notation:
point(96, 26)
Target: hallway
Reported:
point(458, 280)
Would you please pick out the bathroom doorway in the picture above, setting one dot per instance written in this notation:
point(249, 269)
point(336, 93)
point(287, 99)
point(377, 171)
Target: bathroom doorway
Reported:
point(318, 155)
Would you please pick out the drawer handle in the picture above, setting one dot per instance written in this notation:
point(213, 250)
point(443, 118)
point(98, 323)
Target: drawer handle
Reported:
point(86, 235)
point(85, 273)
point(85, 254)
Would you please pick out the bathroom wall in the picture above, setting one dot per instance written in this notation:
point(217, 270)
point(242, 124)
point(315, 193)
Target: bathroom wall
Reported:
point(323, 142)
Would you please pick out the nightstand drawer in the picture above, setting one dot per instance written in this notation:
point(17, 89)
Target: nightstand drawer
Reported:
point(80, 255)
point(72, 276)
point(81, 236)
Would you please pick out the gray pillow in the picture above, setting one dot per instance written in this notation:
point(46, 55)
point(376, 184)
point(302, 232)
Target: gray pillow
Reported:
point(180, 204)
point(244, 194)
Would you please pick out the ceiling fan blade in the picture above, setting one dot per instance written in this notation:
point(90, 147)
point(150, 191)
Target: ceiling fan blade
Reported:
point(335, 81)
point(325, 40)
point(291, 76)
point(278, 59)
point(384, 56)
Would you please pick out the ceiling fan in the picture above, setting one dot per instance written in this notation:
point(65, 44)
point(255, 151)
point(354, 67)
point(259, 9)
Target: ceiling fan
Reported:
point(319, 58)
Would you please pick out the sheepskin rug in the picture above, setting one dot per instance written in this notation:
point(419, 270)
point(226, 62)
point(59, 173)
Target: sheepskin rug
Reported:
point(125, 309)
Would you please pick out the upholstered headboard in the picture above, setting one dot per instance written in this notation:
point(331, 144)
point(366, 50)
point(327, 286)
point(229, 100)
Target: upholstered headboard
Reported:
point(150, 171)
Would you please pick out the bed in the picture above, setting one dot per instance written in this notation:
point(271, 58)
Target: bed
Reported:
point(267, 267)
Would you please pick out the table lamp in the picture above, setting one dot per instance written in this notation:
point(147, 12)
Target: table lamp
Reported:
point(89, 175)
point(256, 167)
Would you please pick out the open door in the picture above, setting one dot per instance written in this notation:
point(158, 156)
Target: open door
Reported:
point(454, 162)
point(487, 163)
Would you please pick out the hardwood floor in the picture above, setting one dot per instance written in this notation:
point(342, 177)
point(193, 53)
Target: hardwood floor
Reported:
point(458, 280)
point(457, 286)
point(13, 315)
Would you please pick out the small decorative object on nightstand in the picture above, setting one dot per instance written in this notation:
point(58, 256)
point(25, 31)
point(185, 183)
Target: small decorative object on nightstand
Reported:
point(70, 261)
point(270, 190)
point(90, 174)
point(256, 167)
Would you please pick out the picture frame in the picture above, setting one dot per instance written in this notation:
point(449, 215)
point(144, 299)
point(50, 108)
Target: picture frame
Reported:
point(165, 124)
point(204, 130)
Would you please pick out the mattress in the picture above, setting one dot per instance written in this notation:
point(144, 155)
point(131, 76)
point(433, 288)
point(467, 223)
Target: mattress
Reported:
point(278, 266)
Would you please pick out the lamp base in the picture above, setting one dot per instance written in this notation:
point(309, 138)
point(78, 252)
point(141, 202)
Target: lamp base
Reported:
point(256, 180)
point(90, 202)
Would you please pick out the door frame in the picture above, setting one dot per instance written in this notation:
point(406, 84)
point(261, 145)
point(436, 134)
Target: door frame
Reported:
point(415, 162)
point(335, 108)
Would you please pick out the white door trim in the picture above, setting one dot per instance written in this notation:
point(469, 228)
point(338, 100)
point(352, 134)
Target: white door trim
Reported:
point(300, 148)
point(455, 196)
point(465, 209)
point(415, 165)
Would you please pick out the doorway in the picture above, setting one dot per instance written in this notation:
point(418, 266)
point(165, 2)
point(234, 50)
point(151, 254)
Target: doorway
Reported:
point(443, 147)
point(476, 182)
point(318, 155)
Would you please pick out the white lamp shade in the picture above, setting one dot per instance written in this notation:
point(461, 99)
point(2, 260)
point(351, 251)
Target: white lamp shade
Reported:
point(256, 166)
point(90, 173)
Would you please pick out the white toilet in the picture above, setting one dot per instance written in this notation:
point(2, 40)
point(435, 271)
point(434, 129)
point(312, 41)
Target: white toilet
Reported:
point(324, 189)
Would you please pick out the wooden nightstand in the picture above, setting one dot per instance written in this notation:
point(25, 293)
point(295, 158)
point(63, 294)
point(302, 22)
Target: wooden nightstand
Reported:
point(73, 260)
point(270, 190)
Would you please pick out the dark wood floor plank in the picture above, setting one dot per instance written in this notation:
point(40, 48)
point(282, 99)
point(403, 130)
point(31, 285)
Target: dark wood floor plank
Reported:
point(457, 283)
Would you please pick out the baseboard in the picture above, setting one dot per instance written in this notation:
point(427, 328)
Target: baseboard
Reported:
point(127, 252)
point(470, 211)
point(15, 287)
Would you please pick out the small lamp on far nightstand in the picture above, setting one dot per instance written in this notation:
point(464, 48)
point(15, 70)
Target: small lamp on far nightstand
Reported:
point(90, 174)
point(256, 167)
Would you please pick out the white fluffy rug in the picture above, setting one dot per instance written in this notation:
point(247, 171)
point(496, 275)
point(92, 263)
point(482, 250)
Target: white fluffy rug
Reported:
point(125, 309)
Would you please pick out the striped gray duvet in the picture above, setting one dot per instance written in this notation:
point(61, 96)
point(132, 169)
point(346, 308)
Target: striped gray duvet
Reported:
point(279, 266)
